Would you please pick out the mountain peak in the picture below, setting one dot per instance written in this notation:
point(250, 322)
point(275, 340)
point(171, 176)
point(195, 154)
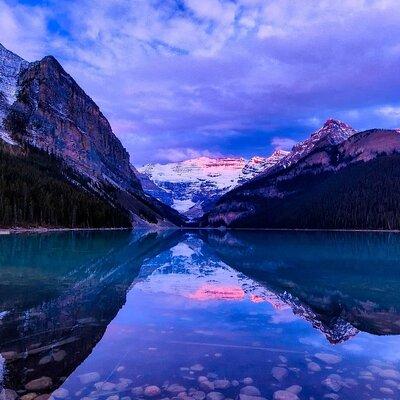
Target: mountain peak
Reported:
point(279, 153)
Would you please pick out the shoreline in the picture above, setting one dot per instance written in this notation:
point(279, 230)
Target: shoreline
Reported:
point(17, 230)
point(10, 231)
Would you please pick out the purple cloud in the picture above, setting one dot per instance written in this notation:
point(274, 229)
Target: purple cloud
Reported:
point(219, 76)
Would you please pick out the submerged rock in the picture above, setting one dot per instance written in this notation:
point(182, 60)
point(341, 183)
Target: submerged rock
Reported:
point(29, 396)
point(39, 384)
point(45, 360)
point(285, 395)
point(59, 355)
point(333, 382)
point(105, 386)
point(89, 377)
point(207, 386)
point(250, 391)
point(175, 388)
point(313, 367)
point(328, 358)
point(152, 391)
point(221, 384)
point(8, 394)
point(248, 381)
point(198, 395)
point(296, 389)
point(215, 396)
point(197, 368)
point(60, 393)
point(279, 373)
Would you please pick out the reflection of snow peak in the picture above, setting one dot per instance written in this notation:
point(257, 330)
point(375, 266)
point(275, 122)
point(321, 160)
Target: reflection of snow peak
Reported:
point(185, 271)
point(218, 292)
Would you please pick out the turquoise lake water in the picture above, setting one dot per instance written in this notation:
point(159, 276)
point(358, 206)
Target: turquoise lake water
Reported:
point(203, 314)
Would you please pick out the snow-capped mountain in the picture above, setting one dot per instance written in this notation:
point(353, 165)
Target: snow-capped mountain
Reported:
point(190, 186)
point(331, 133)
point(10, 68)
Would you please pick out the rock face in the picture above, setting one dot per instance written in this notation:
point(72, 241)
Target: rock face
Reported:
point(334, 185)
point(10, 68)
point(42, 106)
point(193, 186)
point(59, 117)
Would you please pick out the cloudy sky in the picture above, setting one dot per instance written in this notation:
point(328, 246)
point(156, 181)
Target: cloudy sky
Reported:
point(183, 78)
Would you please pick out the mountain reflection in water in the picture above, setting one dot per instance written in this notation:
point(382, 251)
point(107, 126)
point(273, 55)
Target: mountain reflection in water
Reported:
point(99, 314)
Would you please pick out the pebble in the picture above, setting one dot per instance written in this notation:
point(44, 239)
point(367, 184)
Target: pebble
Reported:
point(279, 373)
point(221, 384)
point(391, 382)
point(8, 394)
point(202, 379)
point(250, 391)
point(197, 368)
point(120, 369)
point(9, 355)
point(235, 383)
point(212, 375)
point(152, 391)
point(29, 396)
point(217, 355)
point(366, 375)
point(90, 377)
point(198, 395)
point(246, 397)
point(386, 390)
point(59, 355)
point(296, 389)
point(333, 382)
point(285, 395)
point(389, 374)
point(39, 384)
point(283, 359)
point(313, 367)
point(126, 398)
point(45, 360)
point(328, 358)
point(60, 393)
point(248, 381)
point(43, 397)
point(215, 396)
point(106, 386)
point(207, 386)
point(332, 396)
point(113, 397)
point(175, 388)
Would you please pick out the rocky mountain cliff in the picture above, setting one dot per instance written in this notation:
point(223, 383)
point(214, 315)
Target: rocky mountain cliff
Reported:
point(192, 186)
point(348, 185)
point(43, 107)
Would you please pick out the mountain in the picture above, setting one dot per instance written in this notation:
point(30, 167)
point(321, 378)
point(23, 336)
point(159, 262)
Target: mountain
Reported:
point(332, 132)
point(192, 186)
point(353, 184)
point(42, 107)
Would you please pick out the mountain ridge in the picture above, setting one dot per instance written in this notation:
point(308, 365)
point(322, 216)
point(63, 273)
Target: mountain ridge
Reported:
point(334, 186)
point(192, 186)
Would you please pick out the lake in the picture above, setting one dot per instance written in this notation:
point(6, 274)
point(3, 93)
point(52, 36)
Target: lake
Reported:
point(191, 315)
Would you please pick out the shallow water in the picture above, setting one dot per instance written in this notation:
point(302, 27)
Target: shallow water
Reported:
point(100, 315)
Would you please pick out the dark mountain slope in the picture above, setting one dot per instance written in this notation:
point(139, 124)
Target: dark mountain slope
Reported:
point(37, 189)
point(353, 185)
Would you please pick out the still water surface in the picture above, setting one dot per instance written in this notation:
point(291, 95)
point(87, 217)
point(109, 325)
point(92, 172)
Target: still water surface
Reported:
point(185, 315)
